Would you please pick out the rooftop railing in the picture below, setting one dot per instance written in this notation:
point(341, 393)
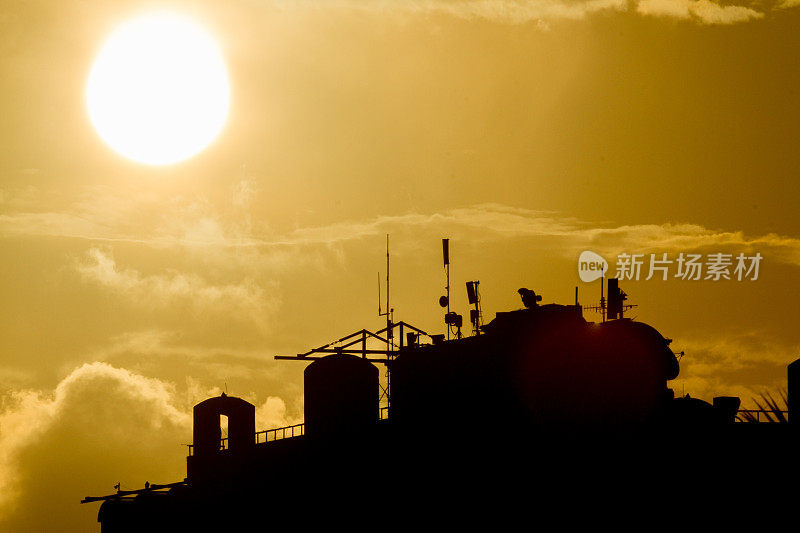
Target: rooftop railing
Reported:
point(287, 432)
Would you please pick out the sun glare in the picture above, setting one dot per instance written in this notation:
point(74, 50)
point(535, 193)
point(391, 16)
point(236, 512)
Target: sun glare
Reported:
point(158, 91)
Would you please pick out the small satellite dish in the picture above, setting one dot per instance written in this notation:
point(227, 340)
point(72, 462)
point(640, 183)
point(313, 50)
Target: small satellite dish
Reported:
point(443, 301)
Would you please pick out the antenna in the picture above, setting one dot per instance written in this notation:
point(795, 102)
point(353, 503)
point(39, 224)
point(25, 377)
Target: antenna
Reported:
point(602, 298)
point(445, 301)
point(389, 311)
point(389, 325)
point(451, 319)
point(612, 306)
point(474, 298)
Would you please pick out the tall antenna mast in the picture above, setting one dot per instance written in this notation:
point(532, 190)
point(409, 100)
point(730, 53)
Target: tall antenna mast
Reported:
point(446, 258)
point(389, 311)
point(389, 326)
point(602, 297)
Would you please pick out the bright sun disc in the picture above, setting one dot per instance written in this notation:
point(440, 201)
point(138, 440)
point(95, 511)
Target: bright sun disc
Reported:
point(158, 91)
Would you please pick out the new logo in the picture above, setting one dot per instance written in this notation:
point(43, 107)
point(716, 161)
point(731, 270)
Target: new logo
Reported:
point(591, 266)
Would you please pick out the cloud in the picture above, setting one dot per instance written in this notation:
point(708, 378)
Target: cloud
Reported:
point(128, 216)
point(151, 350)
point(543, 11)
point(516, 11)
point(101, 425)
point(500, 11)
point(272, 413)
point(493, 222)
point(50, 224)
point(167, 344)
point(11, 378)
point(704, 11)
point(247, 298)
point(743, 364)
point(192, 225)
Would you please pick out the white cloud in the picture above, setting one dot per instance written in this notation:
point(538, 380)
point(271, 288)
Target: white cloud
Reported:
point(272, 413)
point(166, 344)
point(150, 349)
point(193, 226)
point(542, 11)
point(743, 364)
point(246, 298)
point(108, 217)
point(492, 222)
point(101, 425)
point(703, 11)
point(516, 11)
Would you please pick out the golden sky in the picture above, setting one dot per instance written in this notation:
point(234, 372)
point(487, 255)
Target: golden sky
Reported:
point(526, 131)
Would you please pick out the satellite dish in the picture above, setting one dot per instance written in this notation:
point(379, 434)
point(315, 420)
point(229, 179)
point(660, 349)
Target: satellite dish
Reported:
point(443, 301)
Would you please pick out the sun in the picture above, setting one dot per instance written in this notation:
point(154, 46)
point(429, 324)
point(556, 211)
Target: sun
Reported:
point(158, 91)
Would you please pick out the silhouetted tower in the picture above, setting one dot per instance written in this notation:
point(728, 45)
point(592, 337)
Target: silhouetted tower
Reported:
point(241, 425)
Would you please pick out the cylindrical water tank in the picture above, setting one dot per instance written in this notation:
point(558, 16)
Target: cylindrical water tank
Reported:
point(341, 394)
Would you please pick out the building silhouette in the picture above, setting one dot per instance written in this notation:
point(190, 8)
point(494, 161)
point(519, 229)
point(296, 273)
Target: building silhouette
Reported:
point(540, 405)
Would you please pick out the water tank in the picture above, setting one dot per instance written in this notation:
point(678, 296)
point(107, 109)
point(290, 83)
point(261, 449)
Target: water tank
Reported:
point(341, 395)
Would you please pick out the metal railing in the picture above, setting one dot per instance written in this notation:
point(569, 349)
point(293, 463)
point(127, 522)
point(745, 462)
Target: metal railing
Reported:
point(287, 432)
point(271, 435)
